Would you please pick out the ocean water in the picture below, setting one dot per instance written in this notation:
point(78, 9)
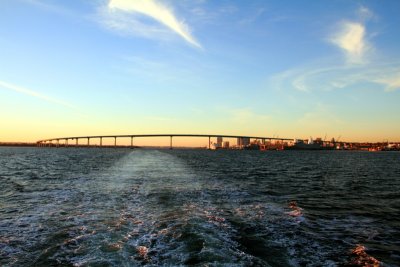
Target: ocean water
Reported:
point(122, 207)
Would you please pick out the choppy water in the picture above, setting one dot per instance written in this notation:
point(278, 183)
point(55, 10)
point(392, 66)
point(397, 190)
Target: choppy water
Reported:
point(117, 207)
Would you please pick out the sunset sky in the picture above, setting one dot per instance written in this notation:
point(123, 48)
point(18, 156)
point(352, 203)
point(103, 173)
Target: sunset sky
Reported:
point(290, 69)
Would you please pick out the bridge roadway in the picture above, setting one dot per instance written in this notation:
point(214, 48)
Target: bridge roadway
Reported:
point(49, 142)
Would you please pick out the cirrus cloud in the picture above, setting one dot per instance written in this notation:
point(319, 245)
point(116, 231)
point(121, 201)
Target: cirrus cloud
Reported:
point(313, 78)
point(26, 91)
point(122, 15)
point(391, 80)
point(329, 73)
point(351, 39)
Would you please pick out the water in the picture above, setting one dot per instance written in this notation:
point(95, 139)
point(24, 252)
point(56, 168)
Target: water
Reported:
point(120, 207)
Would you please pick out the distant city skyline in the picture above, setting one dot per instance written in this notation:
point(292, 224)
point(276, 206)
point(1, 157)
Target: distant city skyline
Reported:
point(256, 68)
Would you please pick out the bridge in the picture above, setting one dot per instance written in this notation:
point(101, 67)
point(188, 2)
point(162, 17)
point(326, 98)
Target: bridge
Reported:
point(64, 141)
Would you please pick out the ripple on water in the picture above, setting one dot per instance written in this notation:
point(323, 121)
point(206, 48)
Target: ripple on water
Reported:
point(193, 207)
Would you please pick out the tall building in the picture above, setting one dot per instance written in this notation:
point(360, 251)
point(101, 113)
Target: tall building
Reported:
point(239, 142)
point(243, 141)
point(219, 141)
point(246, 141)
point(225, 144)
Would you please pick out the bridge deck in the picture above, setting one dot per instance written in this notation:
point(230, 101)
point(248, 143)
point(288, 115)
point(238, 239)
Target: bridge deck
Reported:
point(160, 135)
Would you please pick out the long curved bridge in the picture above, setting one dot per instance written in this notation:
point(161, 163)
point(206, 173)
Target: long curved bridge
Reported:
point(64, 141)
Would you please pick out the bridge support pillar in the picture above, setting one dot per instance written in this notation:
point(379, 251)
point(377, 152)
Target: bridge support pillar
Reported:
point(209, 142)
point(170, 142)
point(101, 141)
point(131, 141)
point(88, 142)
point(66, 142)
point(115, 141)
point(58, 142)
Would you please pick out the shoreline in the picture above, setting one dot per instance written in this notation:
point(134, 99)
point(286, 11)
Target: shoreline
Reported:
point(371, 148)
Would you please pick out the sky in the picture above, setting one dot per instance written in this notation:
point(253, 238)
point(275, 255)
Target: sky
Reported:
point(288, 69)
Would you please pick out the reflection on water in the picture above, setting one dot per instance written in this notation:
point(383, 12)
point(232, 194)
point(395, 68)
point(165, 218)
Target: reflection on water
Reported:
point(361, 258)
point(113, 207)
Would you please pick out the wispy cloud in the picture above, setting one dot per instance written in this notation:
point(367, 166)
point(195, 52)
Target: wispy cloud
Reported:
point(391, 80)
point(127, 16)
point(30, 92)
point(365, 13)
point(157, 70)
point(320, 77)
point(329, 73)
point(252, 17)
point(51, 7)
point(202, 14)
point(351, 39)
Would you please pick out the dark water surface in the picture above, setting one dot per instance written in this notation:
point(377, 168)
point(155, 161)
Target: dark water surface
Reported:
point(119, 207)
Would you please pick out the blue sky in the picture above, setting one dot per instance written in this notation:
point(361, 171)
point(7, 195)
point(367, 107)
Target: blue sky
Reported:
point(270, 68)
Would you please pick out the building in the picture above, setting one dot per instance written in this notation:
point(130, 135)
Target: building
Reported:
point(243, 142)
point(219, 142)
point(225, 144)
